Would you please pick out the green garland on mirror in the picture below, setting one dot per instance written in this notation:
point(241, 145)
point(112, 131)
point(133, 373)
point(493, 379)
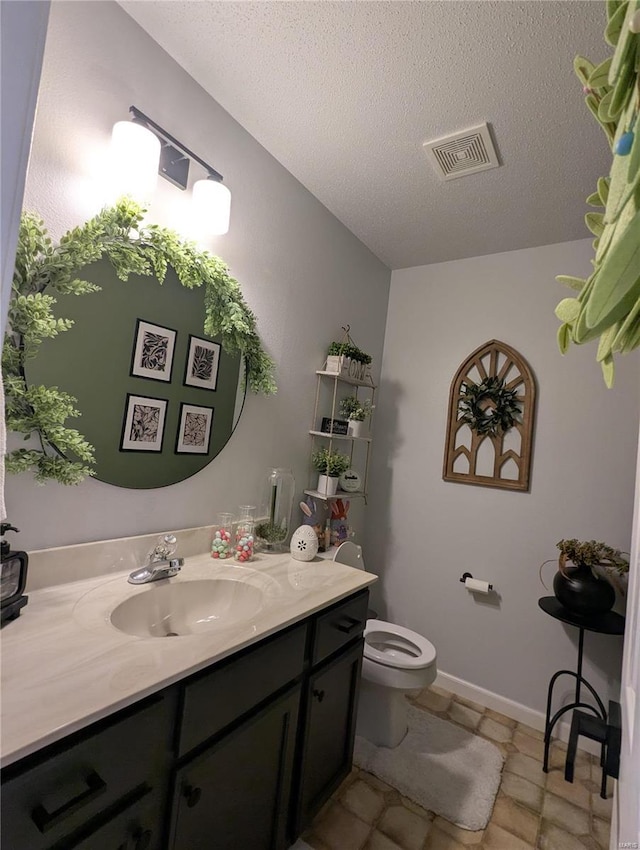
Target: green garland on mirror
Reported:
point(116, 233)
point(608, 305)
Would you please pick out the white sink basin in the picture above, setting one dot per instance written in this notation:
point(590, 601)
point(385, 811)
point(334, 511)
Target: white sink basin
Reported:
point(164, 609)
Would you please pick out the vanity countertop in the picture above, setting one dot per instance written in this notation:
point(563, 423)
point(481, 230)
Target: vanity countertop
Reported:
point(64, 665)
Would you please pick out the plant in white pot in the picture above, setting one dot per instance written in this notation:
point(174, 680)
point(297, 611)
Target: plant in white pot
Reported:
point(348, 358)
point(330, 466)
point(357, 412)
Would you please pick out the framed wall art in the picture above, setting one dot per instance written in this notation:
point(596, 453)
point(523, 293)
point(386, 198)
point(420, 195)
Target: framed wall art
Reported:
point(491, 416)
point(203, 358)
point(194, 429)
point(143, 425)
point(153, 347)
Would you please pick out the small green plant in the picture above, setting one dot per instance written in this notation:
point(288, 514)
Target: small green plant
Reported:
point(592, 553)
point(355, 409)
point(270, 532)
point(347, 349)
point(330, 463)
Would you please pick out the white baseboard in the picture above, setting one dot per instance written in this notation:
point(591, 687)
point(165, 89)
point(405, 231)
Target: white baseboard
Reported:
point(510, 708)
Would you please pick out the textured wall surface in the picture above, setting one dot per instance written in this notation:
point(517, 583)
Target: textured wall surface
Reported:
point(423, 533)
point(344, 95)
point(302, 272)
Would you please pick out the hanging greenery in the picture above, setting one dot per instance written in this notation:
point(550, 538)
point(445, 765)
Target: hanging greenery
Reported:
point(116, 233)
point(608, 305)
point(488, 408)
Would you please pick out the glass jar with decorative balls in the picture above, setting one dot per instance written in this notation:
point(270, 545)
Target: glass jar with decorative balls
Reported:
point(222, 541)
point(245, 534)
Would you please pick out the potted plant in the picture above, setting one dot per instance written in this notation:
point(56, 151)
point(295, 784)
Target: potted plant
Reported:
point(348, 358)
point(356, 412)
point(585, 572)
point(330, 465)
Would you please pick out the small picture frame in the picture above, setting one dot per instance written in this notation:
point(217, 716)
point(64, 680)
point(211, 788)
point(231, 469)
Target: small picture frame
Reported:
point(143, 424)
point(194, 429)
point(334, 426)
point(203, 359)
point(153, 348)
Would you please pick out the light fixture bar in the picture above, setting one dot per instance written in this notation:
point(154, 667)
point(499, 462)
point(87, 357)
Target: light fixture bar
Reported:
point(174, 168)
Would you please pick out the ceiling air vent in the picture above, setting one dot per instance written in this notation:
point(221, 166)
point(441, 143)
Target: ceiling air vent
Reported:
point(462, 153)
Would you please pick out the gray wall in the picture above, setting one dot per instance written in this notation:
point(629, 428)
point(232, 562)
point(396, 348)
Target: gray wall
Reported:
point(423, 533)
point(302, 272)
point(23, 28)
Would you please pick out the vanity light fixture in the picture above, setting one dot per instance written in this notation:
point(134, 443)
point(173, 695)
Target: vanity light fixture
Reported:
point(153, 147)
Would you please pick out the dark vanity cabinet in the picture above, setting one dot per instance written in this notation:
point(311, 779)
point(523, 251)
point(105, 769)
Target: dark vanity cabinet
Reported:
point(240, 756)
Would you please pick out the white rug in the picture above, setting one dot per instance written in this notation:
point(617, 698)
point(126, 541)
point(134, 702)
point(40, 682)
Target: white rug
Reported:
point(442, 767)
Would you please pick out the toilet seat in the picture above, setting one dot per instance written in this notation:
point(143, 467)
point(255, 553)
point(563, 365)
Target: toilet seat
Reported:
point(394, 646)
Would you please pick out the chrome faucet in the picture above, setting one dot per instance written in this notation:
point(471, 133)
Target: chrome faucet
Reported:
point(160, 564)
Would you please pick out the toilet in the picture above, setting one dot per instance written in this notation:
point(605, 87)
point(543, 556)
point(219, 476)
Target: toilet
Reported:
point(396, 661)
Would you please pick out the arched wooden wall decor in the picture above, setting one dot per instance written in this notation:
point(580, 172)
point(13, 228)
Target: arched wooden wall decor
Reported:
point(491, 460)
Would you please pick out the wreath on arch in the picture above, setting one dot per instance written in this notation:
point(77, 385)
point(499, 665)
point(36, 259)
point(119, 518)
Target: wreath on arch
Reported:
point(488, 408)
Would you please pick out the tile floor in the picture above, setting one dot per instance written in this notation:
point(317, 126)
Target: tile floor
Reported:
point(532, 809)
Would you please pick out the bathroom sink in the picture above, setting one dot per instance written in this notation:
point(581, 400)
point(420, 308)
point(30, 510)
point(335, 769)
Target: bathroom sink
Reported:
point(165, 609)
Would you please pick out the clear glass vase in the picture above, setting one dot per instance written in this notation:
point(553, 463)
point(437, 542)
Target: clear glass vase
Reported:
point(274, 525)
point(222, 541)
point(245, 534)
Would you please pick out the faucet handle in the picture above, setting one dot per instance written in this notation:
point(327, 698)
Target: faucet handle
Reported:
point(164, 548)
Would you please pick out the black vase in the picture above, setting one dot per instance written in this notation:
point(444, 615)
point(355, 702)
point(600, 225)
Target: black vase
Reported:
point(580, 592)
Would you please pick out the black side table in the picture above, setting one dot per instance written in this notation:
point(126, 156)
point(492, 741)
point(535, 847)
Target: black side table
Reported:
point(605, 624)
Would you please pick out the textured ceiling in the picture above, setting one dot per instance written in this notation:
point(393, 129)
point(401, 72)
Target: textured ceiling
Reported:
point(343, 94)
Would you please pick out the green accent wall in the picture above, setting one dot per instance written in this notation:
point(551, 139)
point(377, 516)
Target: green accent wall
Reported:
point(92, 362)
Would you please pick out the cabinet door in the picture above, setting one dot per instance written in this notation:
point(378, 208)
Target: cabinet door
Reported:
point(329, 732)
point(46, 798)
point(235, 796)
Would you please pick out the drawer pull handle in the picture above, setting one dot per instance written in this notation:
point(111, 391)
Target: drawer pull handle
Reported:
point(45, 820)
point(142, 838)
point(348, 625)
point(319, 695)
point(192, 795)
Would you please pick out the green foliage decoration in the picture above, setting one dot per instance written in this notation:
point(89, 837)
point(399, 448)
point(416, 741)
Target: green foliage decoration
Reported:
point(330, 463)
point(271, 532)
point(488, 408)
point(608, 303)
point(347, 349)
point(116, 233)
point(592, 553)
point(354, 409)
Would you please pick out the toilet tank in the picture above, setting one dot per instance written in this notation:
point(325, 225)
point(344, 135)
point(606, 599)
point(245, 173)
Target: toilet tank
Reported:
point(350, 554)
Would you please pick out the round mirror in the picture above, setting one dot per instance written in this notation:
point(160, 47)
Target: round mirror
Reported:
point(159, 400)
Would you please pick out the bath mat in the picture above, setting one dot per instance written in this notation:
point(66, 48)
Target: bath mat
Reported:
point(442, 767)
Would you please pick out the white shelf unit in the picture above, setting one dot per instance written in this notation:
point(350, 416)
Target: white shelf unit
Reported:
point(365, 442)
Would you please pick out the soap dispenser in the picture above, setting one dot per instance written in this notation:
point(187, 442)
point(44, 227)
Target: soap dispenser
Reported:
point(13, 578)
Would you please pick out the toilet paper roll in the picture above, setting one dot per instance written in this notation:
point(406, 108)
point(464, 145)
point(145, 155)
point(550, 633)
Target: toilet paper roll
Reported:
point(476, 585)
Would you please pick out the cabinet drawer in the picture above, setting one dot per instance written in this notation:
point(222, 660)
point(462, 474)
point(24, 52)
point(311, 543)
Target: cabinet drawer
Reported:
point(223, 695)
point(339, 625)
point(138, 827)
point(48, 800)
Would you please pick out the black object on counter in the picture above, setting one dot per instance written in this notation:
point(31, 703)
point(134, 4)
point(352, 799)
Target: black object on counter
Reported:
point(13, 578)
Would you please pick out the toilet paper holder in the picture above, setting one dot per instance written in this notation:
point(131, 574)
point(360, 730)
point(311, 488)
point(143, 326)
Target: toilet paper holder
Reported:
point(465, 576)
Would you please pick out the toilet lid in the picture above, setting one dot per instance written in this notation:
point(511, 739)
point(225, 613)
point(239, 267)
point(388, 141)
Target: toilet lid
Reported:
point(395, 646)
